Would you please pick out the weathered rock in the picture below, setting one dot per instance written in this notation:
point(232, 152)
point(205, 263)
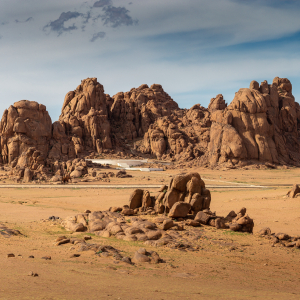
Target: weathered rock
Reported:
point(146, 201)
point(140, 258)
point(167, 224)
point(179, 210)
point(294, 191)
point(136, 199)
point(127, 212)
point(97, 225)
point(235, 227)
point(264, 231)
point(153, 234)
point(27, 175)
point(282, 236)
point(202, 217)
point(25, 124)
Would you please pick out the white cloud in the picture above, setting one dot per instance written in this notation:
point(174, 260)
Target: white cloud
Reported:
point(44, 67)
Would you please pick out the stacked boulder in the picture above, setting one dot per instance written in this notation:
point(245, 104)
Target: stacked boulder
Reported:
point(186, 194)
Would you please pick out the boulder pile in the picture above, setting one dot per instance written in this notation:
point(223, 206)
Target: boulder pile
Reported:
point(105, 251)
point(185, 206)
point(280, 239)
point(185, 194)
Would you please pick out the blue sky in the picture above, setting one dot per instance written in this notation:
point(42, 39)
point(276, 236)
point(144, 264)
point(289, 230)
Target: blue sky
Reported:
point(195, 49)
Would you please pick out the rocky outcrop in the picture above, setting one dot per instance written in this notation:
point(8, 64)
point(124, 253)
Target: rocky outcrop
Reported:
point(131, 113)
point(23, 125)
point(182, 136)
point(83, 124)
point(185, 195)
point(260, 126)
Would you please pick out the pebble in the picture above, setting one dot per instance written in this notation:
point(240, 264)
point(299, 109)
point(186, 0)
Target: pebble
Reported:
point(46, 257)
point(74, 255)
point(33, 274)
point(10, 255)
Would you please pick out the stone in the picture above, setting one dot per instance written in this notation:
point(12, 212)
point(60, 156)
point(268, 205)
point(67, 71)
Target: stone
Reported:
point(116, 209)
point(192, 223)
point(235, 227)
point(282, 236)
point(74, 255)
point(10, 255)
point(46, 257)
point(60, 238)
point(146, 200)
point(167, 224)
point(33, 274)
point(133, 230)
point(63, 241)
point(136, 198)
point(141, 237)
point(196, 203)
point(97, 225)
point(27, 175)
point(127, 212)
point(294, 191)
point(76, 227)
point(153, 234)
point(179, 210)
point(202, 217)
point(258, 126)
point(127, 260)
point(140, 258)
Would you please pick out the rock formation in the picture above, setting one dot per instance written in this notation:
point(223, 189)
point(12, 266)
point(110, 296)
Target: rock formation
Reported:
point(260, 126)
point(23, 125)
point(131, 113)
point(83, 123)
point(183, 135)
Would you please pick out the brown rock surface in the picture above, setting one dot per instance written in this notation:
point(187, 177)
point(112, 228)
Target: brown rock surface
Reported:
point(260, 126)
point(23, 125)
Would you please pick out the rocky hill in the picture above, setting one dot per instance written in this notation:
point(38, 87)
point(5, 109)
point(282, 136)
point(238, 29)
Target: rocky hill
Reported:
point(260, 125)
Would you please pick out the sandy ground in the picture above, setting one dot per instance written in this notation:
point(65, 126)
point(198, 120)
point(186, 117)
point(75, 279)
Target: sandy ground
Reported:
point(253, 269)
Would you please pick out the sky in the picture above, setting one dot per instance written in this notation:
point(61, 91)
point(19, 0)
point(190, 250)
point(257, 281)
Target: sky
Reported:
point(195, 49)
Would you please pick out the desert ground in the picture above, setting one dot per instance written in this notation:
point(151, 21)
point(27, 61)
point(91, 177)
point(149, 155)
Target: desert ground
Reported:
point(228, 265)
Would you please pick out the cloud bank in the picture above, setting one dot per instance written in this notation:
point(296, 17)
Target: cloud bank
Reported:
point(195, 48)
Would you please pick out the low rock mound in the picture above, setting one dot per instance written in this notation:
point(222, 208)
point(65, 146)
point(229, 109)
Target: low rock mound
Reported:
point(280, 239)
point(6, 232)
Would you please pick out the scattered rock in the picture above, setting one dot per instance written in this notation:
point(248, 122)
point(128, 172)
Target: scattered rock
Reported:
point(46, 257)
